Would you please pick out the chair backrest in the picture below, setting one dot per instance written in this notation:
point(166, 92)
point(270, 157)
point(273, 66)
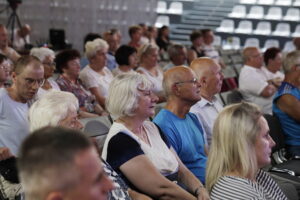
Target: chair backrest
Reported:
point(271, 43)
point(175, 8)
point(274, 13)
point(296, 33)
point(161, 7)
point(227, 25)
point(252, 42)
point(234, 96)
point(289, 46)
point(265, 2)
point(282, 29)
point(238, 11)
point(217, 41)
point(263, 28)
point(245, 26)
point(256, 12)
point(283, 2)
point(292, 14)
point(248, 1)
point(162, 20)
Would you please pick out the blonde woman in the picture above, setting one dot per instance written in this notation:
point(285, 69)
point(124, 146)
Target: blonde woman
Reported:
point(241, 146)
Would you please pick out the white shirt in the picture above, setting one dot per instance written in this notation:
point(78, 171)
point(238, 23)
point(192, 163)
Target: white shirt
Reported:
point(252, 82)
point(270, 75)
point(207, 113)
point(14, 125)
point(211, 52)
point(155, 80)
point(91, 79)
point(19, 42)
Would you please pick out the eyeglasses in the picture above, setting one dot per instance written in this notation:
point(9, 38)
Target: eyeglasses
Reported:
point(194, 81)
point(51, 64)
point(31, 82)
point(4, 67)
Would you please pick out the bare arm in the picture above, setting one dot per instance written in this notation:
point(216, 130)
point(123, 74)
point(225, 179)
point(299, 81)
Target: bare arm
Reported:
point(190, 181)
point(191, 55)
point(99, 97)
point(268, 91)
point(5, 153)
point(290, 105)
point(141, 172)
point(137, 196)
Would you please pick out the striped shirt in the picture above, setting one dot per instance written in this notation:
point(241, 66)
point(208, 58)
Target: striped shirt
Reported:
point(232, 187)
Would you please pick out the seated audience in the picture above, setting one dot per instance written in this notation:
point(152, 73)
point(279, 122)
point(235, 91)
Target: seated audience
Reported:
point(177, 55)
point(241, 146)
point(9, 52)
point(148, 65)
point(28, 77)
point(112, 40)
point(210, 76)
point(67, 63)
point(96, 76)
point(286, 103)
point(46, 56)
point(135, 34)
point(144, 38)
point(89, 37)
point(252, 82)
point(126, 57)
point(182, 128)
point(4, 71)
point(196, 50)
point(208, 48)
point(152, 35)
point(51, 167)
point(136, 148)
point(163, 40)
point(273, 62)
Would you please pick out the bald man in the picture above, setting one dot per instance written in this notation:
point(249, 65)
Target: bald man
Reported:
point(182, 128)
point(207, 109)
point(252, 81)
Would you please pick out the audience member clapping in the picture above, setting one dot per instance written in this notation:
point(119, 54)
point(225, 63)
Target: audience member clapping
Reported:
point(136, 148)
point(241, 146)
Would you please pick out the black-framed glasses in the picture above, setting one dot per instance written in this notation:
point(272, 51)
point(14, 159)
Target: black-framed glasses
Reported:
point(194, 81)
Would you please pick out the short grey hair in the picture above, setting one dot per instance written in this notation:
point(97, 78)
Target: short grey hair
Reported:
point(92, 47)
point(51, 108)
point(174, 49)
point(123, 94)
point(42, 53)
point(291, 60)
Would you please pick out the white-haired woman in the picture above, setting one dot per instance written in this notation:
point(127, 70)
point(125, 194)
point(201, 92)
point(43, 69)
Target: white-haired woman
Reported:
point(137, 149)
point(241, 146)
point(46, 56)
point(148, 65)
point(96, 76)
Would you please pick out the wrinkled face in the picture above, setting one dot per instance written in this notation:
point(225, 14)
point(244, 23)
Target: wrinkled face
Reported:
point(4, 71)
point(215, 79)
point(73, 68)
point(180, 58)
point(151, 58)
point(3, 37)
point(277, 61)
point(93, 183)
point(71, 121)
point(28, 81)
point(256, 58)
point(263, 144)
point(146, 103)
point(208, 37)
point(133, 60)
point(137, 35)
point(100, 58)
point(49, 66)
point(188, 88)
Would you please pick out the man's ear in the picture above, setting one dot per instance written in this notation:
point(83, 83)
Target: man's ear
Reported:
point(14, 76)
point(54, 196)
point(203, 81)
point(175, 89)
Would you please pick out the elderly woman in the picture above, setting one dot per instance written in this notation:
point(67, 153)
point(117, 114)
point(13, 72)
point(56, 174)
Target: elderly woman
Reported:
point(4, 70)
point(96, 76)
point(46, 56)
point(68, 65)
point(58, 108)
point(126, 57)
point(234, 165)
point(137, 149)
point(148, 57)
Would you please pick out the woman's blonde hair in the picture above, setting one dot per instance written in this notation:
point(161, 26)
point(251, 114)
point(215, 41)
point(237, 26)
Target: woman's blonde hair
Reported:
point(233, 139)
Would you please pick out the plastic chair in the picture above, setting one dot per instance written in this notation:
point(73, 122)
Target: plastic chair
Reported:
point(232, 43)
point(245, 27)
point(227, 25)
point(292, 14)
point(256, 12)
point(161, 7)
point(296, 33)
point(248, 1)
point(265, 2)
point(274, 13)
point(252, 42)
point(283, 2)
point(263, 28)
point(270, 43)
point(175, 8)
point(217, 41)
point(282, 29)
point(238, 11)
point(296, 3)
point(288, 47)
point(162, 21)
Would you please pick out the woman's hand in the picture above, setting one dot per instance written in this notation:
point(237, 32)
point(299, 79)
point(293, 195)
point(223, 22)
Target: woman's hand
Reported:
point(202, 194)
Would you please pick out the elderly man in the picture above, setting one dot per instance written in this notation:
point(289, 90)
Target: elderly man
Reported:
point(112, 40)
point(177, 54)
point(210, 77)
point(253, 83)
point(181, 127)
point(72, 170)
point(27, 77)
point(286, 103)
point(4, 48)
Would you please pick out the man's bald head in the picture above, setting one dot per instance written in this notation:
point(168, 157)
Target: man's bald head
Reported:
point(203, 66)
point(252, 57)
point(174, 75)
